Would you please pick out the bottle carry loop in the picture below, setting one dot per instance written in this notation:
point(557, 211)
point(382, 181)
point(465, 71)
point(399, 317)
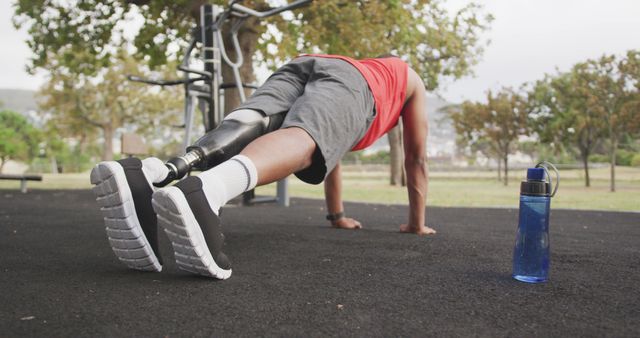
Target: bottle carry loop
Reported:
point(544, 165)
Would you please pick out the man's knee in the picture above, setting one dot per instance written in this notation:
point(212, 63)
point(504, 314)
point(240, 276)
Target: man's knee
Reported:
point(235, 132)
point(245, 116)
point(268, 123)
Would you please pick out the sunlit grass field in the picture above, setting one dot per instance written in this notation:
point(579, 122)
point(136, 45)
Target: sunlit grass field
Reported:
point(481, 189)
point(453, 189)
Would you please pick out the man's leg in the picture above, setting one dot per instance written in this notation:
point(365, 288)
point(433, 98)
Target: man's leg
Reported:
point(189, 210)
point(124, 188)
point(236, 131)
point(280, 154)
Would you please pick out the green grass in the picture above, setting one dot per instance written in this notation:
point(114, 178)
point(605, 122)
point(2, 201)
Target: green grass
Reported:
point(53, 181)
point(481, 189)
point(454, 189)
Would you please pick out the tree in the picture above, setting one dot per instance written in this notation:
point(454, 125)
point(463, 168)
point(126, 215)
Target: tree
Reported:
point(610, 92)
point(496, 125)
point(18, 138)
point(470, 145)
point(80, 104)
point(596, 100)
point(398, 175)
point(434, 42)
point(560, 115)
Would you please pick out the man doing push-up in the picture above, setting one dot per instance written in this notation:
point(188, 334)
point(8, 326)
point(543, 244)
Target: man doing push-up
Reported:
point(305, 117)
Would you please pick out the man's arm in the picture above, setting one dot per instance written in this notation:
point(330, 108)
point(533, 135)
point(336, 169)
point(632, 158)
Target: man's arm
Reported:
point(414, 120)
point(333, 197)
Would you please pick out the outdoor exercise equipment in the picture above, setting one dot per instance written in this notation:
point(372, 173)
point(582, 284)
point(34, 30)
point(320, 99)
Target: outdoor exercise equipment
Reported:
point(22, 178)
point(225, 137)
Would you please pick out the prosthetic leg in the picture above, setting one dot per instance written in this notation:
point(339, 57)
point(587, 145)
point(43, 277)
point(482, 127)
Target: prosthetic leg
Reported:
point(234, 133)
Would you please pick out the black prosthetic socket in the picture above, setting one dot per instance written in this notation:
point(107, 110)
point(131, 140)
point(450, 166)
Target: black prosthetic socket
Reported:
point(230, 138)
point(219, 145)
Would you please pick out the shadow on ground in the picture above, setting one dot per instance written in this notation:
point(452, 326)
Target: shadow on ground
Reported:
point(294, 276)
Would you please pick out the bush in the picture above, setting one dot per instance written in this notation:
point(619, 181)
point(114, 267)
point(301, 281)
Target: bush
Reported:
point(635, 161)
point(599, 158)
point(623, 157)
point(68, 159)
point(18, 138)
point(547, 153)
point(354, 157)
point(358, 157)
point(380, 157)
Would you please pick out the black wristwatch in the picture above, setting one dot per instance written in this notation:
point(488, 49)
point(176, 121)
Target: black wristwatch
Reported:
point(335, 217)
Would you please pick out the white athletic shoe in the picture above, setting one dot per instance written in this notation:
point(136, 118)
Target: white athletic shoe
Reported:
point(124, 196)
point(193, 228)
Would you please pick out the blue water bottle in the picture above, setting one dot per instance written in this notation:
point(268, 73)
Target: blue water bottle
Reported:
point(531, 251)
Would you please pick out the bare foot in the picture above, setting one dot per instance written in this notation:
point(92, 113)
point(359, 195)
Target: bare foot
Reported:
point(423, 230)
point(347, 223)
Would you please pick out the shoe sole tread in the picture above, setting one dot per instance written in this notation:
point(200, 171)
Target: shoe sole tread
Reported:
point(123, 229)
point(190, 249)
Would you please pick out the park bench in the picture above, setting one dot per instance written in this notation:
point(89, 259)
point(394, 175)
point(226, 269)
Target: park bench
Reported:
point(22, 178)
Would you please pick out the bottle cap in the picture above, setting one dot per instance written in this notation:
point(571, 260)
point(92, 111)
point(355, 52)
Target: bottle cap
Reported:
point(535, 174)
point(535, 185)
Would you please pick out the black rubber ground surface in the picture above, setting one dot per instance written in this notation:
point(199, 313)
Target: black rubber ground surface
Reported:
point(294, 276)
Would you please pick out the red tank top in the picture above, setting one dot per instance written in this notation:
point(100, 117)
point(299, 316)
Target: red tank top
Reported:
point(387, 80)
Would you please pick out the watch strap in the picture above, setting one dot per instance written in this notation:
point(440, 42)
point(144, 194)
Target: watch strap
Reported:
point(335, 217)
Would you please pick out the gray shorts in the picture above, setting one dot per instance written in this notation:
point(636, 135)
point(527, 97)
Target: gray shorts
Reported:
point(328, 98)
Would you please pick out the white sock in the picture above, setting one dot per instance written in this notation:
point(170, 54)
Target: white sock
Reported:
point(154, 169)
point(228, 180)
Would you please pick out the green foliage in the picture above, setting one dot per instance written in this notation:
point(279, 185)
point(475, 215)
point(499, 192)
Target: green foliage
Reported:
point(84, 37)
point(493, 127)
point(596, 101)
point(352, 157)
point(72, 38)
point(85, 108)
point(624, 157)
point(358, 157)
point(610, 87)
point(380, 157)
point(545, 152)
point(635, 160)
point(434, 42)
point(18, 138)
point(631, 142)
point(78, 33)
point(599, 158)
point(66, 158)
point(560, 114)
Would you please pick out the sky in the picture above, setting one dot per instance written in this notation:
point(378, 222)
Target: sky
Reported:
point(528, 39)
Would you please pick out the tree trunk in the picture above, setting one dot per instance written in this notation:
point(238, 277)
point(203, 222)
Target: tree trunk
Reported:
point(82, 143)
point(506, 170)
point(585, 164)
point(499, 169)
point(612, 156)
point(54, 165)
point(107, 147)
point(248, 39)
point(2, 162)
point(396, 156)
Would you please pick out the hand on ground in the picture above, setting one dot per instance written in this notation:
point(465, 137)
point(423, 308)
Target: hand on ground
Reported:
point(423, 230)
point(347, 223)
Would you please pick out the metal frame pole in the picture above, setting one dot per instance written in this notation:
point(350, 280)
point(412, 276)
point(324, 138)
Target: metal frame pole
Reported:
point(211, 59)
